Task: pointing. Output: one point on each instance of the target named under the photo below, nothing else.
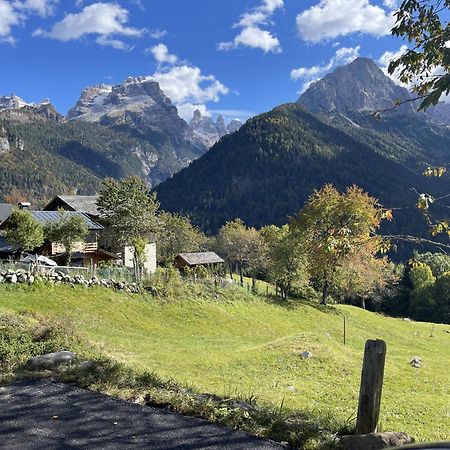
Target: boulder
(306, 354)
(51, 359)
(375, 441)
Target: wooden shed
(204, 259)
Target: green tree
(242, 247)
(422, 296)
(177, 235)
(23, 230)
(425, 25)
(439, 262)
(335, 228)
(130, 211)
(286, 262)
(442, 298)
(67, 230)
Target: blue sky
(238, 57)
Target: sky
(231, 57)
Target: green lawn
(233, 343)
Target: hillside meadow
(231, 343)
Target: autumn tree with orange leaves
(338, 234)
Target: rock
(31, 279)
(416, 362)
(86, 365)
(375, 441)
(13, 278)
(22, 278)
(306, 354)
(51, 359)
(291, 388)
(241, 404)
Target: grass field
(233, 343)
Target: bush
(22, 337)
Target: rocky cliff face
(363, 87)
(12, 102)
(358, 86)
(137, 103)
(15, 106)
(208, 132)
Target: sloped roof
(81, 203)
(47, 217)
(194, 259)
(5, 211)
(6, 247)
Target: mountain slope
(42, 157)
(265, 171)
(360, 85)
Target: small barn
(199, 259)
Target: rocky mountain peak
(209, 132)
(358, 86)
(137, 103)
(14, 105)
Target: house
(82, 203)
(203, 259)
(86, 252)
(87, 204)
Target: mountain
(358, 86)
(208, 132)
(363, 86)
(43, 154)
(140, 108)
(138, 103)
(128, 129)
(264, 172)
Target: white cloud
(8, 18)
(157, 34)
(389, 56)
(343, 55)
(104, 19)
(391, 4)
(186, 85)
(161, 53)
(110, 42)
(252, 35)
(42, 7)
(332, 18)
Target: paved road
(42, 414)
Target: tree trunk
(241, 275)
(326, 287)
(363, 303)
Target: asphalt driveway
(41, 414)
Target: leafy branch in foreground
(427, 63)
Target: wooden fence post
(371, 387)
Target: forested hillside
(265, 172)
(42, 157)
